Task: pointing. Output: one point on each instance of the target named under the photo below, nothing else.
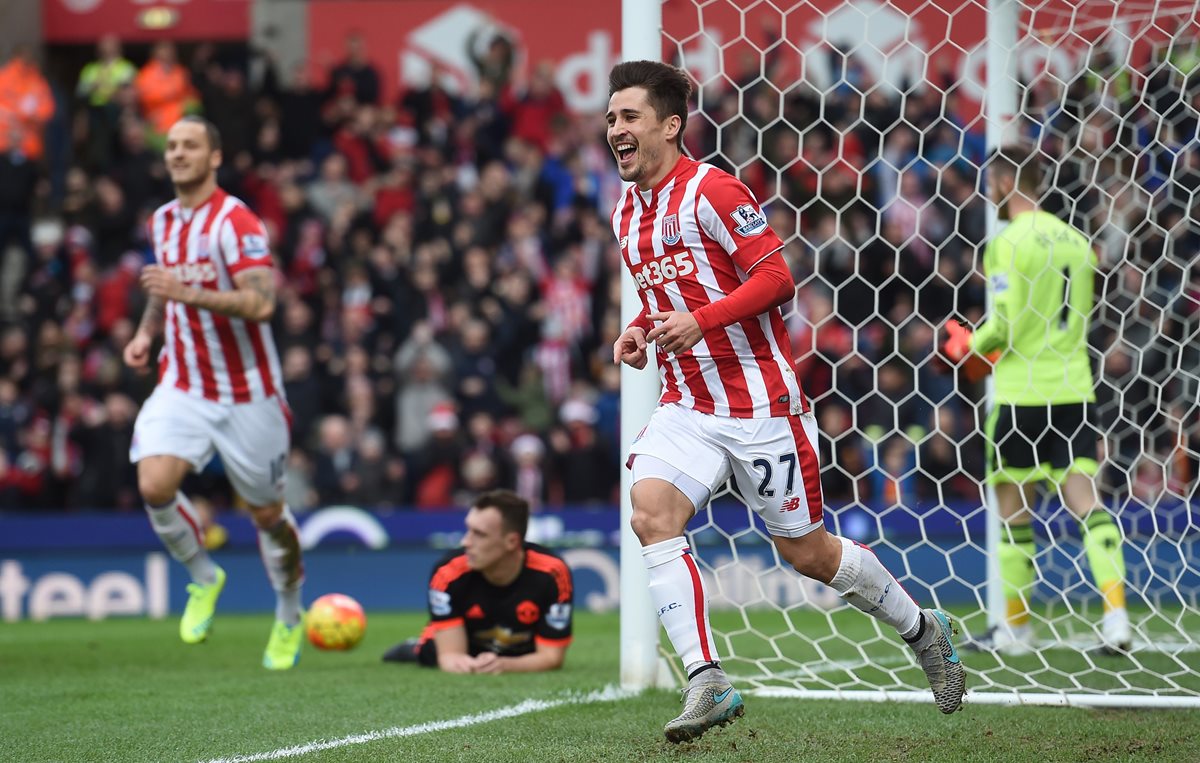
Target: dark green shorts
(1040, 442)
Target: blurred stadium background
(437, 187)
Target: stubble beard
(190, 184)
(633, 173)
(641, 169)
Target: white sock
(178, 527)
(865, 583)
(287, 606)
(1116, 624)
(677, 590)
(279, 547)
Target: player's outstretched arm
(251, 299)
(137, 352)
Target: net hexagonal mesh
(861, 127)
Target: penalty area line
(607, 694)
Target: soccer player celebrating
(711, 278)
(211, 296)
(1040, 273)
(498, 605)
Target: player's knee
(809, 562)
(645, 526)
(266, 517)
(157, 487)
(660, 511)
(815, 555)
(653, 526)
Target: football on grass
(336, 621)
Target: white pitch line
(607, 694)
(824, 666)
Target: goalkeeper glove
(977, 367)
(957, 349)
(958, 342)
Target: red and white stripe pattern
(678, 592)
(700, 604)
(189, 514)
(687, 247)
(804, 434)
(222, 359)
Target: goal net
(861, 127)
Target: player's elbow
(785, 292)
(784, 289)
(774, 270)
(553, 658)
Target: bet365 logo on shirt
(194, 272)
(664, 269)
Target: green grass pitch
(128, 690)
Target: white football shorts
(773, 461)
(252, 438)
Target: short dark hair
(667, 88)
(210, 130)
(1022, 163)
(514, 510)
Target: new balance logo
(791, 504)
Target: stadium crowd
(450, 285)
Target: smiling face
(644, 145)
(190, 158)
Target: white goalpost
(823, 108)
(641, 39)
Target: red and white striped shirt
(226, 360)
(689, 242)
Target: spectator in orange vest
(25, 106)
(164, 90)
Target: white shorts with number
(773, 461)
(252, 438)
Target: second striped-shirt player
(211, 296)
(711, 277)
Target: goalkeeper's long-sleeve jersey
(1040, 275)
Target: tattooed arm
(153, 318)
(252, 299)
